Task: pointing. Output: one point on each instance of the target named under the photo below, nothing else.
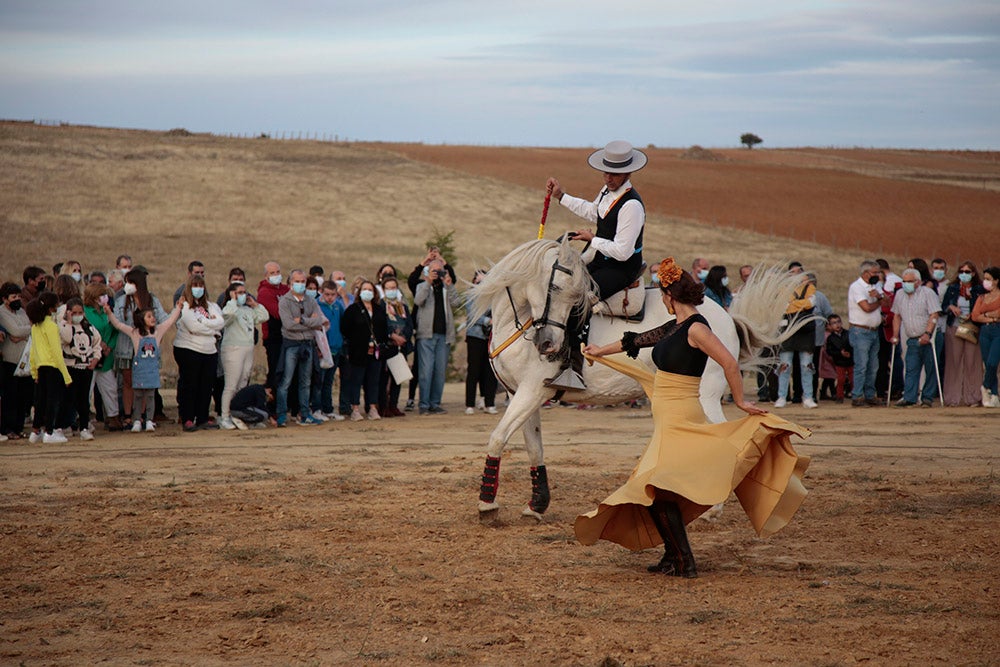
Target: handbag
(399, 368)
(968, 330)
(23, 368)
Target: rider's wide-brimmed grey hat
(618, 157)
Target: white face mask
(392, 294)
(367, 295)
(130, 289)
(938, 274)
(77, 319)
(725, 281)
(319, 280)
(274, 280)
(702, 274)
(988, 285)
(77, 276)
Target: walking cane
(937, 369)
(892, 363)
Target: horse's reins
(542, 321)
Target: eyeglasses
(965, 272)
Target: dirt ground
(360, 544)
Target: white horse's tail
(758, 310)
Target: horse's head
(567, 287)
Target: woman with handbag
(365, 329)
(962, 359)
(400, 328)
(986, 313)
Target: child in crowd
(146, 336)
(47, 368)
(253, 404)
(82, 350)
(838, 347)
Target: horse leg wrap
(491, 480)
(539, 489)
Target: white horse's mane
(526, 264)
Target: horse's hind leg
(539, 502)
(523, 405)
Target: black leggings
(195, 380)
(77, 399)
(50, 392)
(16, 395)
(479, 373)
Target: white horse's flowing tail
(758, 310)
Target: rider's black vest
(608, 225)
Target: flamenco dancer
(691, 464)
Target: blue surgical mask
(77, 276)
(274, 280)
(427, 270)
(938, 274)
(367, 295)
(725, 281)
(312, 293)
(655, 279)
(197, 292)
(299, 288)
(965, 277)
(392, 294)
(341, 283)
(241, 299)
(702, 275)
(909, 288)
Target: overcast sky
(904, 73)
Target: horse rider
(620, 217)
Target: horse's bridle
(541, 322)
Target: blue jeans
(321, 393)
(433, 360)
(919, 357)
(806, 366)
(295, 354)
(989, 345)
(865, 344)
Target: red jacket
(267, 296)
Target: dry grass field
(359, 543)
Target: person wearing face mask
(802, 344)
(66, 288)
(416, 277)
(332, 303)
(700, 269)
(717, 286)
(864, 312)
(384, 271)
(95, 297)
(960, 380)
(200, 324)
(434, 302)
(270, 289)
(195, 268)
(81, 344)
(986, 313)
(400, 328)
(364, 327)
(48, 369)
(654, 275)
(34, 283)
(346, 298)
(135, 297)
(689, 463)
(241, 315)
(236, 275)
(15, 391)
(917, 309)
(300, 317)
(73, 269)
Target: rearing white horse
(531, 292)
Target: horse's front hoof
(530, 513)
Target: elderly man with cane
(917, 309)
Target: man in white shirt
(864, 306)
(917, 309)
(620, 218)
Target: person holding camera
(864, 312)
(434, 300)
(479, 372)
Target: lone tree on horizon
(749, 139)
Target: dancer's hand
(751, 409)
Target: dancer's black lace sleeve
(632, 342)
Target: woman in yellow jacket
(47, 368)
(803, 342)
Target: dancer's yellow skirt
(698, 464)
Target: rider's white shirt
(631, 218)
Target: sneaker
(875, 402)
(35, 437)
(308, 420)
(927, 403)
(210, 425)
(490, 410)
(54, 438)
(781, 402)
(238, 423)
(137, 426)
(356, 416)
(85, 434)
(3, 437)
(188, 426)
(471, 411)
(319, 416)
(227, 423)
(424, 411)
(282, 420)
(150, 426)
(258, 425)
(334, 416)
(809, 403)
(409, 405)
(373, 413)
(438, 411)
